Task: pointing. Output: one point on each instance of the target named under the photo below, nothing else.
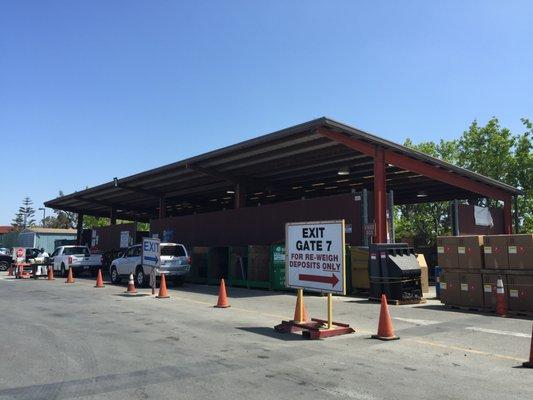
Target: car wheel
(114, 276)
(63, 272)
(3, 266)
(140, 278)
(178, 281)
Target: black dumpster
(394, 271)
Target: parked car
(5, 261)
(175, 264)
(5, 251)
(78, 258)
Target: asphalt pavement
(61, 341)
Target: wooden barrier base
(314, 329)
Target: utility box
(277, 266)
(258, 266)
(394, 271)
(495, 250)
(217, 265)
(520, 250)
(238, 266)
(447, 252)
(199, 265)
(470, 252)
(359, 267)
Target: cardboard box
(470, 252)
(495, 251)
(424, 273)
(471, 291)
(450, 288)
(447, 252)
(520, 250)
(520, 293)
(489, 289)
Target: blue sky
(90, 90)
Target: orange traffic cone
(50, 275)
(501, 306)
(131, 286)
(300, 312)
(385, 329)
(222, 297)
(70, 276)
(99, 280)
(529, 364)
(163, 294)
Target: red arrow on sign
(320, 278)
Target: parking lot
(66, 341)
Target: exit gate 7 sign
(151, 252)
(315, 256)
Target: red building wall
(261, 225)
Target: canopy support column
(380, 197)
(79, 228)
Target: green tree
(91, 222)
(24, 217)
(490, 150)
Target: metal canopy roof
(285, 165)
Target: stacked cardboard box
(472, 265)
(511, 256)
(461, 260)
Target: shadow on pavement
(270, 332)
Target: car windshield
(172, 251)
(69, 251)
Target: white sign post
(316, 259)
(151, 257)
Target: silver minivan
(175, 264)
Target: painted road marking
(497, 332)
(464, 349)
(417, 321)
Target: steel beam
(420, 167)
(79, 228)
(380, 196)
(507, 215)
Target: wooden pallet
(520, 313)
(469, 308)
(485, 310)
(400, 302)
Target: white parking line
(417, 321)
(497, 332)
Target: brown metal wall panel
(467, 223)
(261, 225)
(109, 236)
